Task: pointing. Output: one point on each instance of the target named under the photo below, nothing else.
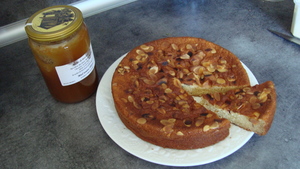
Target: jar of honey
(60, 43)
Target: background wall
(15, 10)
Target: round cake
(154, 84)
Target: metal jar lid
(54, 23)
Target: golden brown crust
(149, 98)
(196, 138)
(256, 103)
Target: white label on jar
(78, 70)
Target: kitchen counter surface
(36, 131)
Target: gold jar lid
(53, 23)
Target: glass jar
(60, 43)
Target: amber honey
(60, 43)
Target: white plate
(131, 143)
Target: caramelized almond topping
(179, 133)
(206, 128)
(214, 125)
(221, 81)
(141, 121)
(199, 122)
(185, 56)
(256, 115)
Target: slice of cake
(251, 108)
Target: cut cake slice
(252, 108)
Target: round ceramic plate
(131, 143)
